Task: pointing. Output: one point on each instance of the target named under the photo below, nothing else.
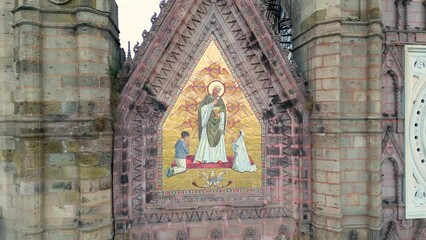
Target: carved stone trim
(391, 62)
(181, 235)
(153, 82)
(59, 1)
(216, 234)
(421, 230)
(392, 233)
(399, 11)
(211, 215)
(391, 152)
(353, 235)
(146, 236)
(282, 233)
(250, 234)
(407, 11)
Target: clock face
(59, 1)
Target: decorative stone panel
(156, 76)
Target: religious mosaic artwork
(415, 127)
(211, 135)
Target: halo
(216, 83)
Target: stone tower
(338, 47)
(56, 59)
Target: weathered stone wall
(55, 118)
(56, 137)
(7, 144)
(338, 48)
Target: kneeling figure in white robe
(241, 159)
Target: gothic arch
(392, 153)
(392, 89)
(390, 95)
(390, 181)
(391, 62)
(161, 65)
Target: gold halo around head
(214, 84)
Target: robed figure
(211, 127)
(241, 158)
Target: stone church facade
(80, 128)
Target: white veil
(242, 160)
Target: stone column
(424, 4)
(7, 140)
(61, 127)
(399, 12)
(97, 54)
(373, 125)
(407, 12)
(344, 79)
(28, 126)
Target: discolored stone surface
(56, 143)
(53, 80)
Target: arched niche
(162, 70)
(390, 95)
(392, 82)
(392, 167)
(389, 181)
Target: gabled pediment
(391, 150)
(271, 96)
(169, 50)
(392, 65)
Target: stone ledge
(341, 32)
(69, 11)
(71, 26)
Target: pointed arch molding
(163, 63)
(392, 152)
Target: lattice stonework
(163, 68)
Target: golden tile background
(183, 116)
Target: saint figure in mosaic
(211, 126)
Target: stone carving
(421, 230)
(216, 234)
(148, 95)
(402, 9)
(407, 223)
(250, 234)
(392, 66)
(399, 13)
(153, 18)
(211, 215)
(353, 235)
(162, 3)
(424, 4)
(59, 1)
(407, 4)
(282, 233)
(146, 236)
(392, 152)
(392, 233)
(181, 235)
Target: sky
(134, 17)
